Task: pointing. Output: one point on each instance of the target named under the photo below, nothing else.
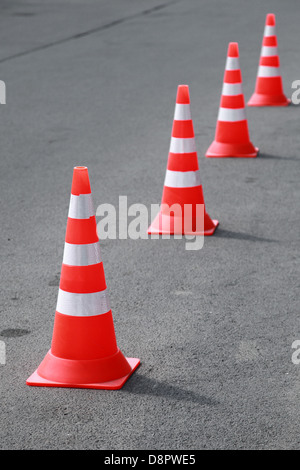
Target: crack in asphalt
(89, 31)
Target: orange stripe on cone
(81, 231)
(82, 279)
(182, 192)
(183, 161)
(84, 351)
(232, 134)
(268, 88)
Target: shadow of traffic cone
(268, 88)
(84, 351)
(182, 186)
(232, 134)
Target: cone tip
(233, 49)
(80, 168)
(270, 19)
(183, 94)
(81, 181)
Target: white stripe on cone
(182, 112)
(82, 255)
(82, 305)
(268, 51)
(270, 31)
(232, 89)
(267, 71)
(231, 114)
(182, 179)
(232, 63)
(178, 145)
(81, 207)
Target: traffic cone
(182, 186)
(84, 351)
(232, 134)
(269, 89)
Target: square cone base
(246, 155)
(231, 150)
(36, 380)
(258, 101)
(156, 228)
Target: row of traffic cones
(182, 184)
(84, 351)
(232, 134)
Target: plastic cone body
(232, 134)
(84, 351)
(268, 89)
(182, 186)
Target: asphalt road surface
(94, 83)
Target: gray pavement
(94, 83)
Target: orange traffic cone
(268, 89)
(232, 134)
(182, 185)
(84, 351)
